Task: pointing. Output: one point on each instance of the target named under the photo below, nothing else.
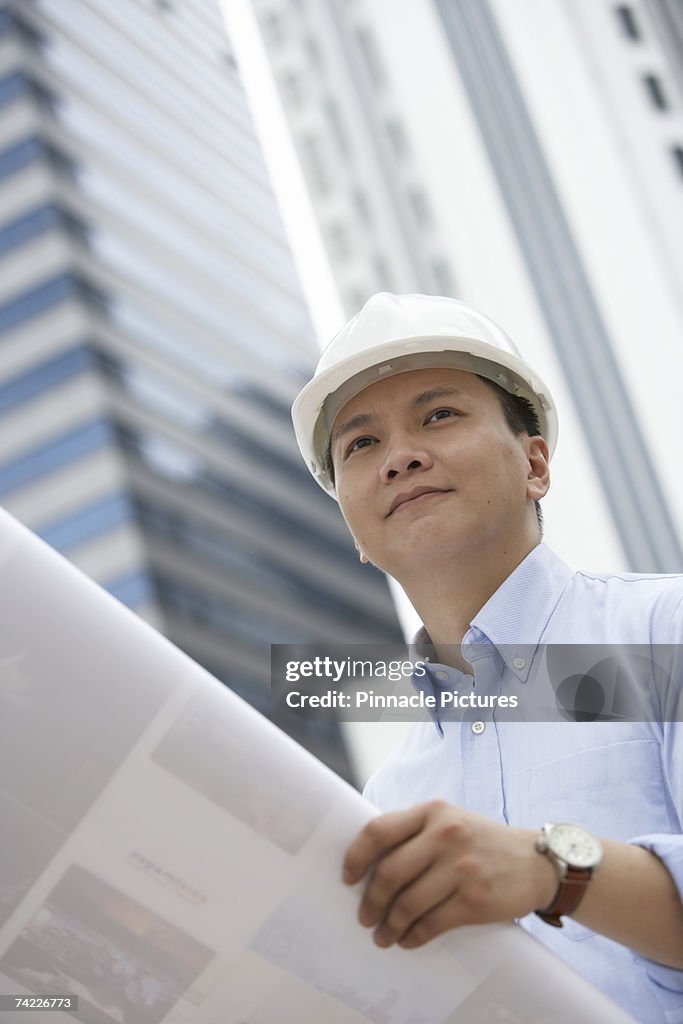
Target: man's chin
(425, 545)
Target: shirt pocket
(616, 790)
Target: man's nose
(404, 458)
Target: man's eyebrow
(425, 397)
(362, 419)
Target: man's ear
(538, 479)
(361, 554)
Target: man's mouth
(410, 496)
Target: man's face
(442, 432)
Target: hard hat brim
(321, 400)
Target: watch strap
(569, 894)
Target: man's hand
(435, 867)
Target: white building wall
(610, 155)
(608, 152)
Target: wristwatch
(576, 855)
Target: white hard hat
(395, 333)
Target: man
(435, 437)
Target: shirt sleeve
(667, 981)
(370, 792)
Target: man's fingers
(438, 884)
(449, 914)
(391, 873)
(378, 836)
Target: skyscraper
(153, 334)
(526, 157)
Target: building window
(655, 92)
(28, 227)
(382, 273)
(355, 300)
(12, 87)
(44, 97)
(291, 88)
(314, 165)
(338, 128)
(169, 461)
(273, 28)
(313, 52)
(361, 206)
(220, 549)
(677, 152)
(19, 155)
(58, 452)
(249, 389)
(398, 138)
(627, 22)
(133, 589)
(420, 207)
(88, 522)
(443, 276)
(60, 162)
(338, 242)
(52, 373)
(368, 51)
(35, 301)
(28, 33)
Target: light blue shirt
(620, 780)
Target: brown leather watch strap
(568, 896)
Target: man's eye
(360, 442)
(440, 414)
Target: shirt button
(519, 663)
(478, 728)
(441, 675)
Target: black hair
(521, 418)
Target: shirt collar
(515, 616)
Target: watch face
(575, 846)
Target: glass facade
(153, 335)
(60, 451)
